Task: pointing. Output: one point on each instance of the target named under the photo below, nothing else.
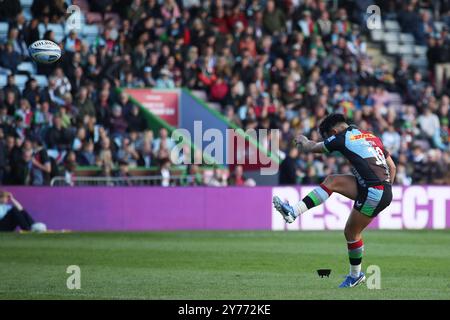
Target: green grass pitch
(221, 265)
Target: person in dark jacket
(135, 120)
(3, 160)
(288, 168)
(9, 58)
(57, 136)
(9, 9)
(21, 170)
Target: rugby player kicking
(369, 185)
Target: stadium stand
(277, 64)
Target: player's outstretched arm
(307, 145)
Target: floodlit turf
(220, 265)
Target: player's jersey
(365, 152)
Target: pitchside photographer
(13, 215)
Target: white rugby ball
(45, 51)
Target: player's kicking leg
(355, 225)
(370, 201)
(357, 222)
(344, 184)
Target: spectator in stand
(117, 123)
(429, 124)
(9, 59)
(165, 81)
(72, 43)
(419, 161)
(13, 215)
(135, 120)
(41, 165)
(86, 155)
(238, 178)
(219, 178)
(58, 137)
(219, 91)
(18, 43)
(441, 60)
(288, 168)
(416, 87)
(84, 104)
(163, 142)
(273, 18)
(124, 174)
(391, 141)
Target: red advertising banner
(240, 151)
(162, 103)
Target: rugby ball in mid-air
(45, 51)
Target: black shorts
(372, 200)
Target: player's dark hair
(329, 122)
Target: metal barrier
(122, 181)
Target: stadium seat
(407, 38)
(406, 49)
(26, 4)
(439, 25)
(391, 37)
(27, 14)
(3, 80)
(391, 25)
(377, 35)
(21, 80)
(420, 62)
(56, 28)
(93, 18)
(4, 71)
(420, 50)
(392, 48)
(410, 59)
(90, 32)
(3, 31)
(41, 80)
(27, 67)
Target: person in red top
(266, 108)
(220, 21)
(237, 178)
(219, 90)
(248, 43)
(236, 16)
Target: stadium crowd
(269, 64)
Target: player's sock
(316, 197)
(355, 253)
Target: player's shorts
(372, 200)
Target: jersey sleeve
(334, 143)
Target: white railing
(120, 181)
